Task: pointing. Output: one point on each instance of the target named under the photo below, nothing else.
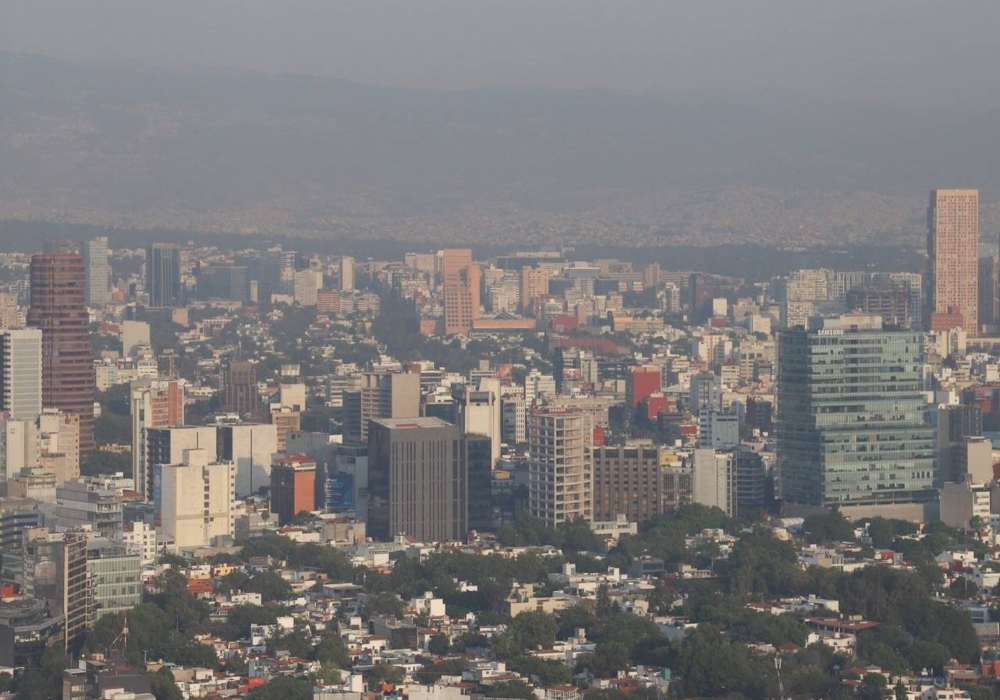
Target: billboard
(340, 492)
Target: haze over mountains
(136, 147)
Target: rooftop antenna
(122, 638)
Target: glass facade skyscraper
(852, 428)
(163, 275)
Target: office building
(250, 446)
(478, 466)
(534, 286)
(224, 282)
(953, 260)
(59, 309)
(16, 516)
(560, 465)
(115, 579)
(514, 420)
(135, 336)
(416, 481)
(54, 568)
(989, 292)
(706, 393)
(851, 427)
(86, 504)
(95, 261)
(194, 500)
(21, 373)
(59, 444)
(27, 627)
(18, 447)
(480, 412)
(635, 481)
(389, 395)
(641, 383)
(717, 430)
(345, 480)
(890, 301)
(751, 481)
(163, 275)
(461, 300)
(293, 487)
(155, 403)
(239, 389)
(713, 479)
(139, 539)
(169, 445)
(346, 274)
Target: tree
(163, 685)
(270, 585)
(510, 689)
(333, 650)
(535, 629)
(386, 673)
(329, 673)
(874, 686)
(607, 660)
(283, 688)
(387, 604)
(439, 644)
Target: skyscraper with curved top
(59, 308)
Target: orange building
(953, 258)
(293, 487)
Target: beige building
(953, 260)
(534, 284)
(194, 500)
(560, 465)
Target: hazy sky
(912, 52)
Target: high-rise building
(59, 444)
(751, 481)
(169, 445)
(851, 424)
(21, 373)
(989, 291)
(156, 403)
(115, 579)
(228, 282)
(461, 300)
(83, 504)
(239, 389)
(250, 446)
(718, 430)
(706, 393)
(380, 395)
(890, 301)
(163, 275)
(480, 412)
(18, 447)
(478, 466)
(194, 500)
(640, 383)
(534, 285)
(633, 481)
(59, 309)
(560, 465)
(701, 291)
(54, 567)
(293, 487)
(346, 274)
(417, 482)
(713, 479)
(95, 261)
(953, 260)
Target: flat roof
(405, 423)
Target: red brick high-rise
(59, 309)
